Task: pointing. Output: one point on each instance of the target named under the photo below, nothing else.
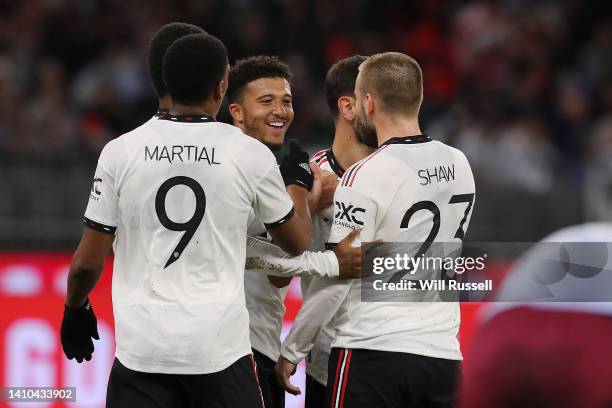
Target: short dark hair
(396, 80)
(340, 81)
(193, 66)
(163, 38)
(249, 69)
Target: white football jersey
(266, 305)
(411, 189)
(177, 192)
(314, 328)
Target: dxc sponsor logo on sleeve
(349, 213)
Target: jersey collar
(333, 163)
(187, 118)
(162, 112)
(414, 139)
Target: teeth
(276, 124)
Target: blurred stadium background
(523, 87)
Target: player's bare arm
(86, 266)
(79, 324)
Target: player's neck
(346, 146)
(205, 109)
(165, 103)
(388, 127)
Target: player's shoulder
(369, 171)
(134, 136)
(251, 147)
(453, 150)
(248, 151)
(457, 156)
(137, 133)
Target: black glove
(78, 327)
(295, 167)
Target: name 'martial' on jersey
(177, 193)
(181, 153)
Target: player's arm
(283, 210)
(343, 262)
(356, 211)
(79, 324)
(87, 265)
(294, 234)
(303, 182)
(315, 313)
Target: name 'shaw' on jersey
(412, 190)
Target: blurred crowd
(523, 87)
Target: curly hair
(160, 42)
(193, 66)
(249, 69)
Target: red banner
(32, 291)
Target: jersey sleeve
(272, 260)
(315, 313)
(353, 209)
(102, 213)
(272, 204)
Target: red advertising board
(32, 290)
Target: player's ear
(235, 111)
(221, 87)
(346, 107)
(370, 104)
(220, 90)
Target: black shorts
(315, 393)
(273, 393)
(372, 379)
(236, 386)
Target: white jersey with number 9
(177, 192)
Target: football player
(398, 354)
(173, 198)
(260, 103)
(310, 335)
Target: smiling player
(261, 105)
(260, 99)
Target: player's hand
(329, 182)
(294, 167)
(79, 325)
(284, 369)
(314, 195)
(349, 257)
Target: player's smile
(276, 124)
(267, 110)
